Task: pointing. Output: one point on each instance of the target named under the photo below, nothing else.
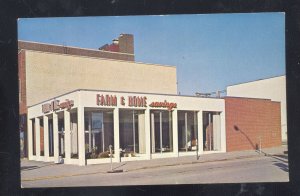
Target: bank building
(82, 106)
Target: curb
(263, 154)
(193, 162)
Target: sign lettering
(55, 105)
(107, 100)
(165, 104)
(132, 101)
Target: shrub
(94, 156)
(103, 155)
(132, 154)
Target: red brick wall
(247, 119)
(22, 82)
(126, 43)
(22, 99)
(74, 51)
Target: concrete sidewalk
(34, 170)
(136, 165)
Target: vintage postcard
(147, 100)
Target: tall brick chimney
(124, 44)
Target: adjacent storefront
(88, 127)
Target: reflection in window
(99, 133)
(132, 132)
(211, 131)
(187, 130)
(161, 131)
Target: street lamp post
(259, 144)
(110, 151)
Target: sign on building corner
(55, 105)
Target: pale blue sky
(210, 51)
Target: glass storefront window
(211, 131)
(187, 131)
(161, 131)
(41, 136)
(132, 132)
(50, 132)
(33, 137)
(99, 132)
(61, 134)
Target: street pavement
(233, 167)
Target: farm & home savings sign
(132, 101)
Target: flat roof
(245, 97)
(69, 92)
(65, 46)
(256, 80)
(63, 49)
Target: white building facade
(89, 127)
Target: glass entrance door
(61, 134)
(74, 133)
(50, 132)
